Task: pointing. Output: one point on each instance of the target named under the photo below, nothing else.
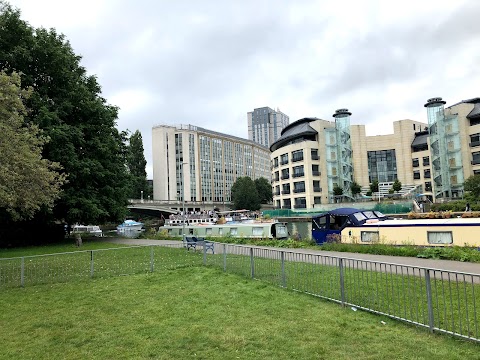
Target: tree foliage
(66, 104)
(355, 188)
(337, 190)
(397, 186)
(472, 185)
(245, 195)
(27, 181)
(264, 190)
(374, 186)
(136, 164)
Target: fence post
(428, 286)
(151, 259)
(204, 254)
(22, 272)
(342, 281)
(224, 257)
(252, 264)
(91, 263)
(284, 279)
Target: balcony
(286, 207)
(301, 190)
(276, 193)
(475, 161)
(300, 206)
(316, 173)
(284, 162)
(317, 189)
(315, 157)
(285, 192)
(285, 177)
(296, 175)
(474, 143)
(297, 158)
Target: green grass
(201, 313)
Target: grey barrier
(439, 300)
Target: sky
(207, 63)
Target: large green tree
(67, 105)
(27, 181)
(355, 188)
(264, 189)
(472, 185)
(245, 195)
(136, 164)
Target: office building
(314, 156)
(202, 164)
(265, 125)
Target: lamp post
(183, 202)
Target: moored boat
(130, 226)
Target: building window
(426, 161)
(317, 200)
(275, 162)
(474, 140)
(298, 171)
(315, 170)
(416, 175)
(285, 189)
(287, 204)
(415, 162)
(440, 237)
(285, 174)
(284, 159)
(314, 153)
(299, 187)
(428, 186)
(316, 186)
(476, 158)
(277, 190)
(369, 236)
(382, 165)
(476, 172)
(300, 203)
(277, 177)
(297, 155)
(426, 173)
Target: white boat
(130, 226)
(89, 229)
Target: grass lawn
(201, 313)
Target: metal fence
(440, 300)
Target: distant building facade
(202, 164)
(265, 125)
(314, 156)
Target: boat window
(359, 216)
(220, 231)
(319, 223)
(379, 214)
(208, 231)
(233, 231)
(439, 237)
(369, 236)
(257, 231)
(190, 231)
(370, 214)
(169, 231)
(282, 231)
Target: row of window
(426, 174)
(433, 237)
(296, 155)
(426, 161)
(298, 187)
(297, 171)
(298, 203)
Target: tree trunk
(78, 240)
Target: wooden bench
(191, 242)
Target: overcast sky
(209, 62)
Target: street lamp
(183, 202)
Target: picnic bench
(191, 242)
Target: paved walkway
(467, 267)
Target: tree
(66, 104)
(264, 190)
(27, 181)
(472, 185)
(355, 188)
(245, 195)
(397, 186)
(136, 164)
(337, 190)
(374, 186)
